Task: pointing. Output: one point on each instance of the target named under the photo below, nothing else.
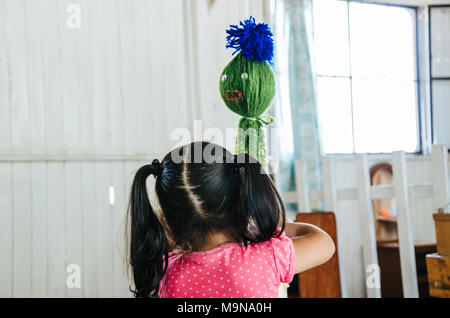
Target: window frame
(430, 65)
(417, 81)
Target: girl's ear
(148, 246)
(261, 207)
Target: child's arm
(312, 246)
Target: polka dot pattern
(230, 271)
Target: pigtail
(260, 206)
(148, 245)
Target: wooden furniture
(442, 226)
(390, 271)
(438, 264)
(385, 225)
(322, 281)
(353, 184)
(438, 275)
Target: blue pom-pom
(254, 40)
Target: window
(366, 66)
(440, 72)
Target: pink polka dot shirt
(230, 271)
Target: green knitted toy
(247, 84)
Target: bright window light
(366, 77)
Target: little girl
(221, 230)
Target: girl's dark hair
(202, 189)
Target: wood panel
(404, 226)
(6, 230)
(18, 77)
(69, 80)
(116, 105)
(90, 228)
(56, 230)
(39, 238)
(322, 281)
(52, 79)
(105, 240)
(73, 220)
(120, 281)
(35, 72)
(77, 107)
(5, 108)
(21, 204)
(367, 221)
(438, 268)
(86, 90)
(114, 84)
(331, 204)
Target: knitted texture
(247, 87)
(247, 84)
(253, 39)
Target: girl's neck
(215, 240)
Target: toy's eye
(224, 77)
(244, 76)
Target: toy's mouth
(233, 95)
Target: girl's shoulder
(278, 240)
(274, 244)
(281, 241)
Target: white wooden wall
(81, 110)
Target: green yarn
(255, 82)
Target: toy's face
(247, 87)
